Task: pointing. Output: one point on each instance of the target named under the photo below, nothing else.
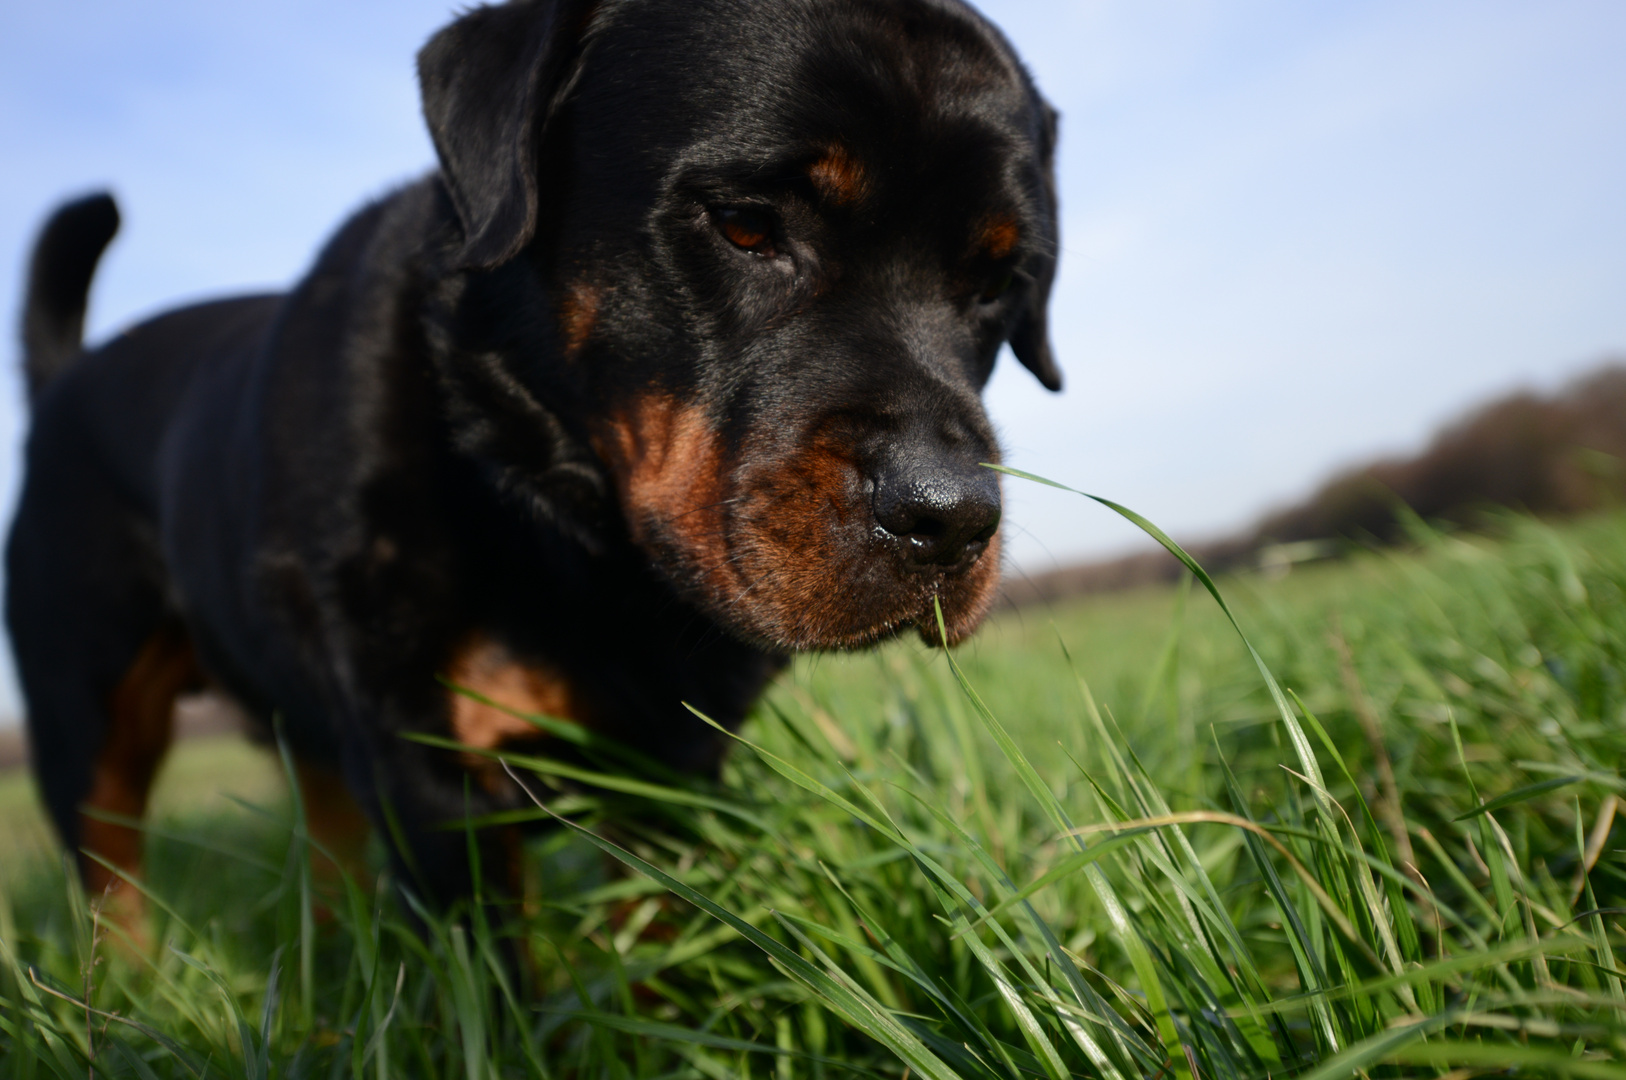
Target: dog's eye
(747, 229)
(997, 286)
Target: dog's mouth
(805, 549)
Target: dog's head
(780, 243)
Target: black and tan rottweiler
(672, 368)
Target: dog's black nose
(942, 514)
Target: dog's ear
(489, 82)
(1030, 333)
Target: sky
(1294, 235)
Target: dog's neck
(506, 410)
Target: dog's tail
(65, 258)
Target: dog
(671, 368)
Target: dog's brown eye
(748, 230)
(997, 286)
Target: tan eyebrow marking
(999, 236)
(839, 176)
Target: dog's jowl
(671, 368)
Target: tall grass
(1374, 837)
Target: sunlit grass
(1095, 844)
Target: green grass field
(1112, 852)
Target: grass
(1095, 843)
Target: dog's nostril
(926, 527)
(943, 515)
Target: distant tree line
(1554, 455)
(1561, 454)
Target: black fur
(58, 283)
(452, 426)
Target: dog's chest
(495, 691)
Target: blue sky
(1295, 234)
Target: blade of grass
(1519, 795)
(842, 995)
(1123, 928)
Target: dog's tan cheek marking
(838, 176)
(797, 548)
(811, 489)
(141, 711)
(797, 531)
(578, 316)
(668, 462)
(999, 236)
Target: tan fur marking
(802, 542)
(141, 711)
(780, 540)
(578, 316)
(999, 236)
(489, 670)
(667, 460)
(839, 176)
